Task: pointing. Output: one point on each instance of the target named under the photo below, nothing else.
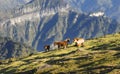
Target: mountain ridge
(49, 21)
(109, 7)
(11, 49)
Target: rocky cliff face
(40, 22)
(12, 49)
(110, 7)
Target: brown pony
(78, 42)
(63, 44)
(47, 47)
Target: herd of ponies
(64, 44)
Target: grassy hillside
(99, 56)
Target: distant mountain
(110, 7)
(40, 22)
(26, 22)
(10, 4)
(12, 49)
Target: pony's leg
(78, 45)
(45, 50)
(58, 46)
(65, 47)
(82, 45)
(48, 49)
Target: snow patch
(97, 14)
(76, 17)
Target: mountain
(98, 56)
(12, 49)
(111, 8)
(23, 23)
(10, 4)
(40, 22)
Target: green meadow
(98, 56)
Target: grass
(99, 56)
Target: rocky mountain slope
(12, 49)
(99, 55)
(40, 22)
(111, 8)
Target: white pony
(79, 41)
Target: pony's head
(75, 39)
(68, 40)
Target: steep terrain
(111, 8)
(12, 49)
(98, 56)
(40, 22)
(27, 21)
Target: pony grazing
(79, 42)
(47, 48)
(61, 44)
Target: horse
(47, 47)
(79, 42)
(63, 44)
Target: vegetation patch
(98, 56)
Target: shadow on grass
(14, 69)
(101, 52)
(102, 69)
(106, 47)
(59, 55)
(42, 71)
(49, 72)
(93, 63)
(59, 61)
(7, 71)
(63, 60)
(117, 55)
(94, 66)
(28, 72)
(94, 70)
